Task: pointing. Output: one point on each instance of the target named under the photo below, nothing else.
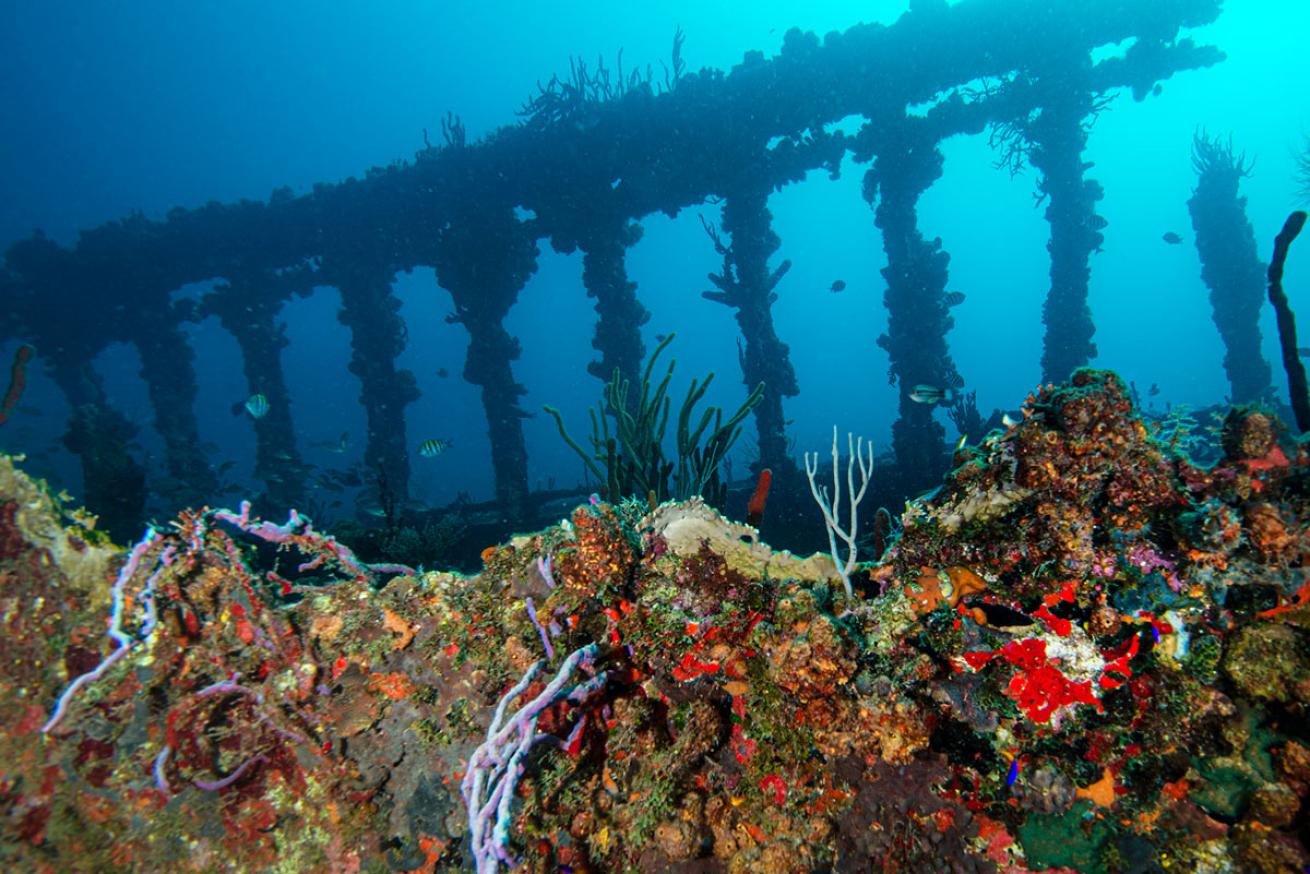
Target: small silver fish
(257, 406)
(931, 394)
(432, 448)
(340, 446)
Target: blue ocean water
(115, 108)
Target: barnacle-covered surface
(1084, 653)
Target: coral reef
(1083, 653)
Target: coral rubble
(1084, 652)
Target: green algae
(1073, 839)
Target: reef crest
(1084, 652)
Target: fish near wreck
(257, 406)
(932, 395)
(1077, 597)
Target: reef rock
(1087, 654)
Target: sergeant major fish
(433, 447)
(257, 406)
(933, 395)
